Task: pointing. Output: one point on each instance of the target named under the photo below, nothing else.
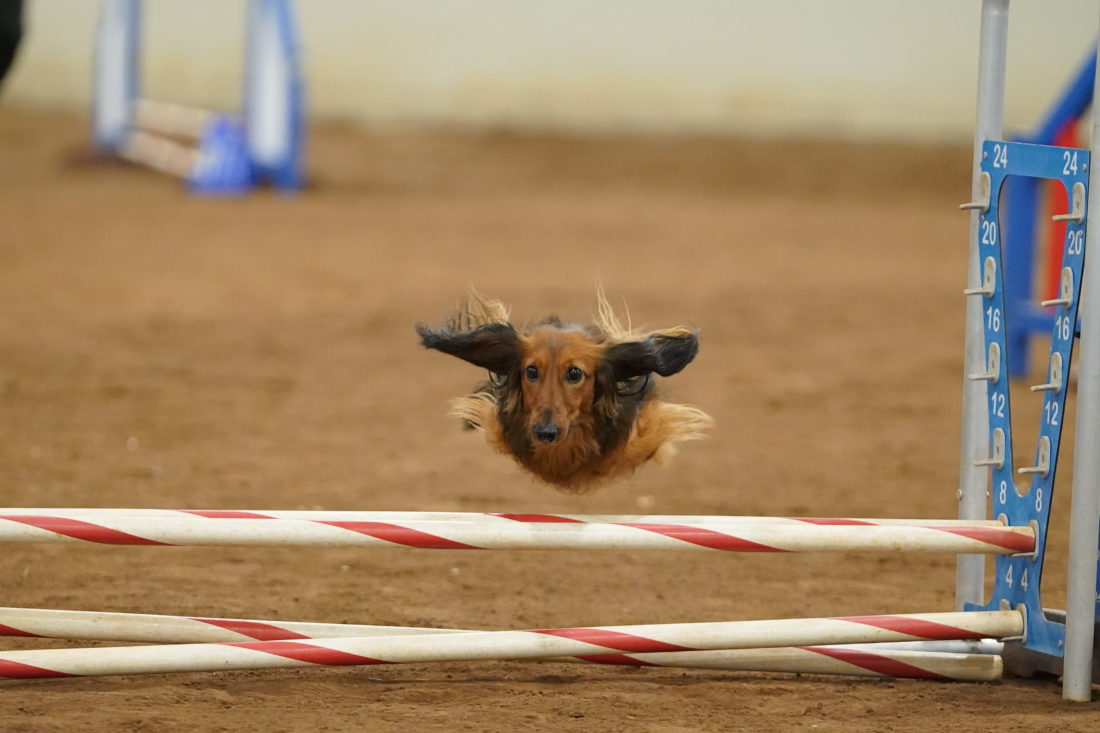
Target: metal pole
(970, 577)
(1085, 507)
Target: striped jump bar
(513, 532)
(972, 660)
(606, 644)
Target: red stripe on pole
(914, 627)
(403, 535)
(616, 659)
(876, 663)
(834, 521)
(1057, 203)
(253, 629)
(306, 652)
(6, 630)
(20, 671)
(225, 514)
(704, 537)
(538, 518)
(994, 536)
(82, 530)
(615, 640)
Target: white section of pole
(159, 153)
(1085, 506)
(167, 118)
(973, 480)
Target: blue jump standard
(1018, 578)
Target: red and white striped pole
(945, 660)
(595, 642)
(323, 515)
(515, 535)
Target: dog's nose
(547, 432)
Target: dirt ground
(158, 350)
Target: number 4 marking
(1009, 579)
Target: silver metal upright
(1085, 505)
(973, 479)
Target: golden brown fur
(573, 405)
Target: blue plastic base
(223, 167)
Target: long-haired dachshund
(573, 404)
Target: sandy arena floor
(162, 351)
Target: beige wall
(842, 67)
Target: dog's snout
(547, 432)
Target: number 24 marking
(1070, 158)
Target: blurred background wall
(884, 69)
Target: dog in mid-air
(573, 404)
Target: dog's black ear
(494, 346)
(664, 352)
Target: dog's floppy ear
(664, 352)
(494, 346)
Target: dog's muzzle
(547, 432)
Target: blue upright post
(1021, 196)
(273, 94)
(116, 74)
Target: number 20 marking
(1075, 242)
(989, 232)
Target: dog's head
(555, 377)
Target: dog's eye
(532, 373)
(573, 375)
